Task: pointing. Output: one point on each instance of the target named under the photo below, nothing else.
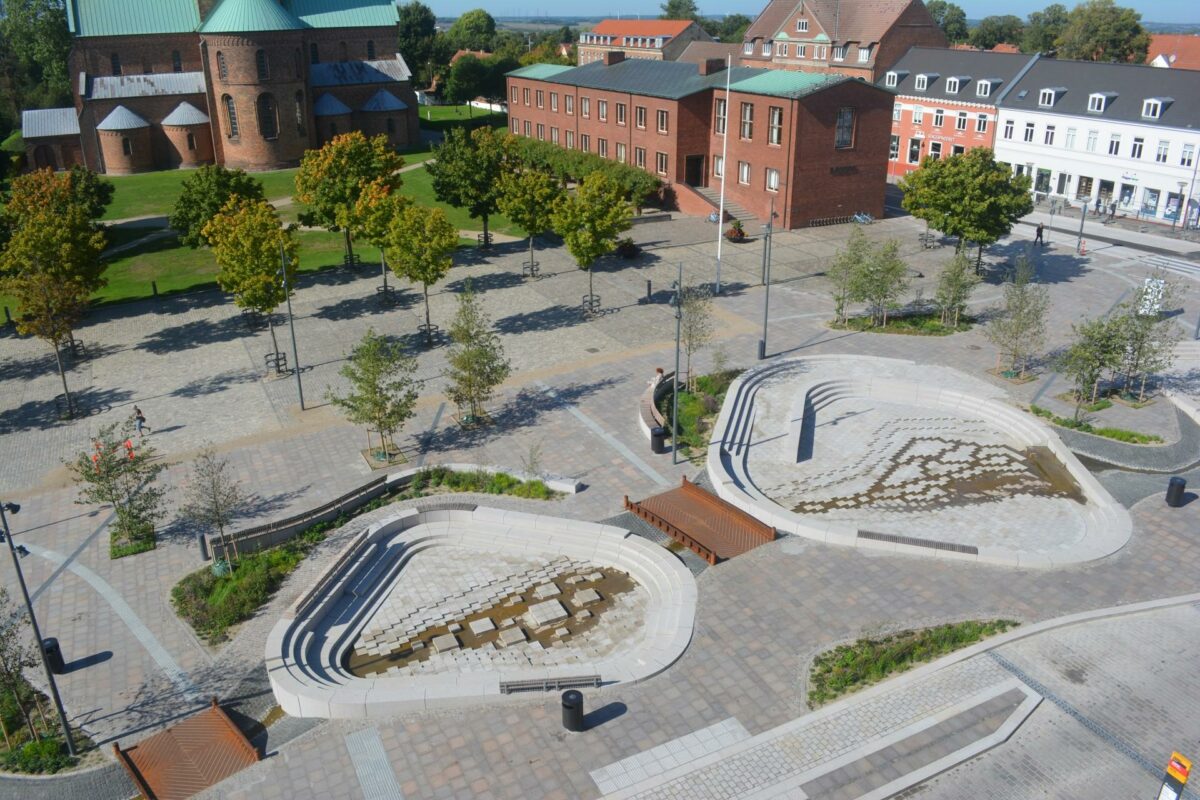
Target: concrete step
(734, 210)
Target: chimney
(613, 57)
(711, 66)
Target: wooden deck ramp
(702, 522)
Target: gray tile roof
(669, 79)
(383, 100)
(350, 73)
(122, 119)
(1130, 84)
(974, 64)
(329, 106)
(154, 85)
(698, 52)
(49, 122)
(185, 114)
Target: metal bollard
(572, 710)
(649, 292)
(1175, 489)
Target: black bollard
(202, 540)
(572, 710)
(658, 440)
(1175, 488)
(649, 292)
(54, 656)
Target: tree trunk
(486, 240)
(271, 327)
(37, 702)
(349, 247)
(4, 730)
(428, 328)
(383, 268)
(1142, 391)
(28, 717)
(1095, 389)
(979, 260)
(531, 252)
(591, 293)
(62, 373)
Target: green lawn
(443, 118)
(154, 193)
(419, 186)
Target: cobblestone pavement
(193, 367)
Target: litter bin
(572, 710)
(658, 440)
(1175, 488)
(54, 656)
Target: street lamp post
(1178, 208)
(291, 323)
(678, 303)
(766, 277)
(13, 508)
(1082, 217)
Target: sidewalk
(1095, 231)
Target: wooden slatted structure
(712, 528)
(189, 757)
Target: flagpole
(724, 171)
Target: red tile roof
(1005, 47)
(864, 21)
(480, 54)
(641, 27)
(1179, 50)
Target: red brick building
(244, 83)
(859, 38)
(816, 145)
(946, 102)
(655, 39)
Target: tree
(954, 288)
(680, 9)
(474, 30)
(375, 209)
(467, 80)
(993, 30)
(1100, 30)
(476, 365)
(950, 18)
(331, 179)
(1042, 29)
(969, 196)
(214, 497)
(120, 472)
(880, 280)
(34, 49)
(843, 269)
(419, 247)
(590, 220)
(1019, 330)
(204, 193)
(52, 266)
(527, 198)
(1084, 362)
(382, 392)
(467, 169)
(248, 242)
(695, 325)
(416, 33)
(16, 656)
(47, 190)
(494, 88)
(1146, 336)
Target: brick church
(251, 84)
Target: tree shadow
(1052, 265)
(258, 506)
(201, 387)
(485, 283)
(367, 305)
(37, 414)
(544, 319)
(30, 368)
(197, 333)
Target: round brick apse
(126, 152)
(191, 145)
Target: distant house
(655, 39)
(1174, 51)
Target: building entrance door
(693, 170)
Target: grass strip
(698, 409)
(909, 325)
(1119, 434)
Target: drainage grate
(550, 684)
(914, 542)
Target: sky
(1177, 11)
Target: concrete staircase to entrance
(733, 210)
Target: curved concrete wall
(305, 649)
(1108, 525)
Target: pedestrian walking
(139, 422)
(1040, 238)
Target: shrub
(44, 756)
(1119, 434)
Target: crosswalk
(1179, 266)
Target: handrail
(672, 531)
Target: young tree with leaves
(16, 656)
(382, 392)
(248, 243)
(590, 220)
(695, 325)
(417, 31)
(467, 79)
(466, 171)
(204, 193)
(1100, 30)
(375, 209)
(420, 247)
(120, 471)
(1147, 337)
(880, 280)
(56, 192)
(950, 18)
(35, 45)
(214, 497)
(954, 288)
(330, 180)
(843, 269)
(1043, 28)
(680, 9)
(1095, 349)
(476, 365)
(1019, 330)
(473, 30)
(995, 30)
(527, 197)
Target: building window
(719, 125)
(300, 115)
(748, 49)
(268, 117)
(1114, 144)
(939, 116)
(554, 101)
(839, 52)
(370, 50)
(1092, 140)
(781, 49)
(570, 140)
(775, 125)
(1189, 153)
(516, 126)
(231, 129)
(918, 115)
(897, 111)
(1069, 142)
(922, 83)
(602, 110)
(514, 95)
(960, 122)
(1160, 155)
(528, 126)
(314, 55)
(843, 136)
(541, 99)
(983, 88)
(621, 117)
(525, 96)
(821, 53)
(981, 123)
(766, 48)
(935, 150)
(718, 167)
(660, 163)
(553, 135)
(747, 120)
(772, 180)
(116, 64)
(1046, 97)
(864, 54)
(1096, 103)
(176, 61)
(1150, 201)
(1136, 150)
(802, 25)
(541, 132)
(585, 107)
(744, 172)
(622, 152)
(894, 148)
(639, 117)
(639, 157)
(585, 143)
(1048, 136)
(951, 85)
(191, 141)
(569, 103)
(914, 151)
(260, 63)
(126, 146)
(1029, 131)
(602, 148)
(1008, 129)
(1151, 109)
(222, 69)
(662, 120)
(891, 80)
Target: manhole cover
(592, 349)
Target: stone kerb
(305, 650)
(1108, 524)
(648, 414)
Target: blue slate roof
(185, 114)
(384, 100)
(329, 106)
(351, 73)
(49, 122)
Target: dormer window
(748, 49)
(802, 26)
(951, 85)
(891, 79)
(983, 89)
(766, 48)
(1048, 97)
(1098, 101)
(922, 83)
(864, 54)
(1152, 107)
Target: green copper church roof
(151, 17)
(345, 13)
(131, 17)
(245, 16)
